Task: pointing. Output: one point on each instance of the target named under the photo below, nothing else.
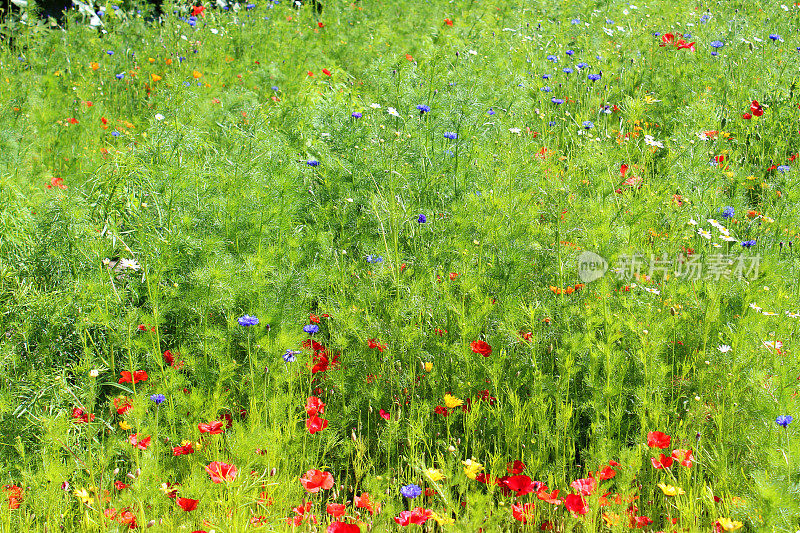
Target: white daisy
(649, 140)
(129, 263)
(392, 111)
(792, 315)
(703, 233)
(375, 106)
(755, 307)
(692, 222)
(724, 348)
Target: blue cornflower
(312, 163)
(422, 219)
(181, 59)
(110, 52)
(551, 123)
(775, 37)
(248, 320)
(289, 356)
(783, 169)
(158, 398)
(714, 53)
(705, 18)
(552, 58)
(587, 124)
(570, 52)
(490, 112)
(728, 212)
(748, 244)
(609, 21)
(557, 101)
(423, 109)
(582, 65)
(276, 88)
(450, 135)
(567, 70)
(545, 76)
(784, 420)
(311, 329)
(716, 44)
(546, 89)
(356, 114)
(410, 491)
(374, 259)
(594, 77)
(115, 133)
(250, 6)
(575, 21)
(192, 21)
(187, 84)
(120, 75)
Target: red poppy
(373, 343)
(220, 471)
(187, 504)
(119, 485)
(300, 515)
(386, 415)
(122, 405)
(667, 39)
(80, 417)
(314, 406)
(136, 377)
(56, 182)
(747, 116)
(515, 467)
(520, 484)
(639, 522)
(14, 494)
(440, 410)
(136, 442)
(320, 25)
(408, 56)
(523, 512)
(576, 504)
(551, 498)
(310, 73)
(448, 22)
(72, 120)
(684, 457)
(335, 509)
(684, 45)
(453, 275)
(584, 486)
(481, 347)
(316, 480)
(623, 169)
(182, 450)
(606, 473)
(664, 461)
(314, 319)
(198, 10)
(315, 424)
(656, 439)
(214, 427)
(342, 527)
(363, 502)
(756, 109)
(326, 72)
(417, 516)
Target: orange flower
(94, 65)
(155, 77)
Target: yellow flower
(428, 366)
(451, 401)
(83, 495)
(669, 490)
(150, 59)
(442, 520)
(155, 77)
(611, 519)
(434, 474)
(728, 524)
(472, 468)
(124, 425)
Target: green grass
(207, 187)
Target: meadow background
(161, 185)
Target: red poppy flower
(639, 522)
(408, 56)
(584, 486)
(606, 473)
(300, 515)
(363, 502)
(314, 406)
(198, 10)
(220, 471)
(551, 498)
(684, 457)
(481, 347)
(136, 377)
(122, 405)
(664, 461)
(440, 410)
(623, 169)
(136, 442)
(56, 182)
(214, 427)
(314, 319)
(515, 467)
(684, 45)
(386, 415)
(119, 485)
(315, 424)
(448, 22)
(80, 417)
(310, 73)
(187, 504)
(417, 516)
(342, 527)
(320, 25)
(453, 275)
(576, 504)
(756, 109)
(667, 39)
(747, 116)
(520, 484)
(316, 480)
(523, 512)
(72, 120)
(335, 509)
(14, 494)
(326, 72)
(182, 450)
(656, 439)
(373, 343)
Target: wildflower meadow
(349, 266)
